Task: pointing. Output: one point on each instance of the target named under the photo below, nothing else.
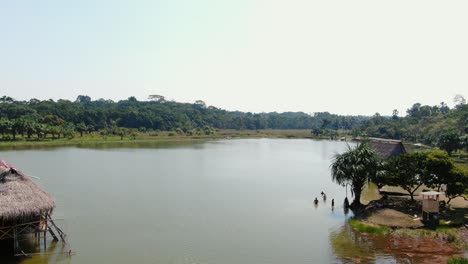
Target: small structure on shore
(430, 208)
(387, 148)
(25, 209)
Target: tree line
(436, 125)
(63, 118)
(431, 125)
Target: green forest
(42, 119)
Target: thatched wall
(21, 199)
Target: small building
(387, 148)
(430, 208)
(25, 209)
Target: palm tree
(354, 167)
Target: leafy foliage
(450, 141)
(409, 171)
(457, 184)
(356, 166)
(431, 125)
(433, 169)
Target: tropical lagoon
(224, 201)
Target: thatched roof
(20, 197)
(387, 148)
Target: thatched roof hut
(387, 148)
(21, 199)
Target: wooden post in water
(45, 233)
(38, 238)
(15, 241)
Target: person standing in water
(333, 203)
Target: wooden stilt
(46, 218)
(60, 232)
(15, 241)
(53, 234)
(35, 230)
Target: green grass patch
(445, 233)
(448, 234)
(367, 228)
(458, 260)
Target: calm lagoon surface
(224, 202)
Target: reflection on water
(348, 246)
(54, 252)
(142, 144)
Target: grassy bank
(459, 260)
(144, 139)
(452, 236)
(368, 228)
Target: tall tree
(157, 98)
(450, 142)
(440, 166)
(355, 167)
(395, 114)
(81, 128)
(82, 99)
(457, 186)
(459, 99)
(409, 171)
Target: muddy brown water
(227, 201)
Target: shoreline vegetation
(96, 139)
(393, 219)
(396, 219)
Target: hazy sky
(345, 57)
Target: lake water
(223, 202)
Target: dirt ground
(398, 212)
(395, 209)
(394, 219)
